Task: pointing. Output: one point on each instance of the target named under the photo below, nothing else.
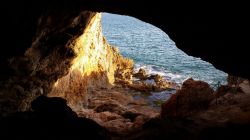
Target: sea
(153, 50)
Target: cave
(54, 57)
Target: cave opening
(75, 62)
(154, 53)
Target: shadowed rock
(194, 96)
(51, 118)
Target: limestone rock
(66, 60)
(149, 83)
(116, 110)
(193, 97)
(96, 66)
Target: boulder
(194, 96)
(50, 118)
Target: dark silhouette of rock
(163, 129)
(194, 96)
(51, 118)
(228, 132)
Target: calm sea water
(153, 50)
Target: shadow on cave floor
(51, 118)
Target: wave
(167, 75)
(175, 77)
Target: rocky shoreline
(117, 110)
(196, 111)
(122, 115)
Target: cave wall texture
(48, 58)
(215, 32)
(67, 61)
(96, 65)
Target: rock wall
(64, 60)
(94, 67)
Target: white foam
(149, 69)
(167, 75)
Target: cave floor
(117, 110)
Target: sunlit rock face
(94, 67)
(68, 57)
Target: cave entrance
(105, 85)
(153, 51)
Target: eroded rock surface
(193, 96)
(116, 110)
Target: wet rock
(151, 83)
(142, 75)
(194, 96)
(160, 83)
(158, 78)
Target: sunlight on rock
(94, 67)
